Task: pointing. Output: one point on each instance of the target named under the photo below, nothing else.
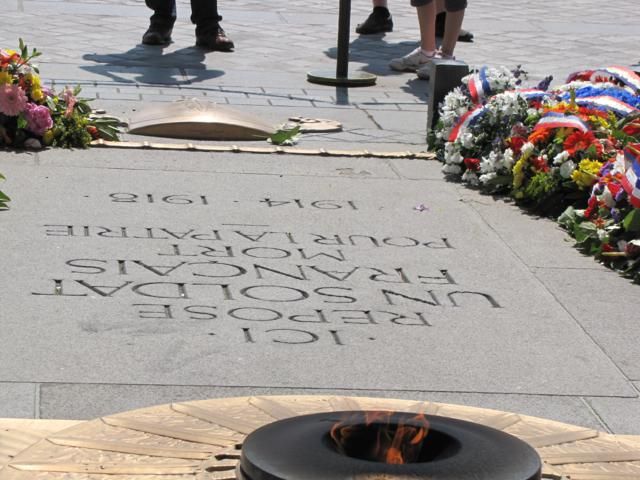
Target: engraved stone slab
(198, 120)
(231, 279)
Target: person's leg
(209, 33)
(425, 53)
(161, 22)
(441, 19)
(455, 15)
(427, 22)
(379, 21)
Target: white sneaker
(423, 72)
(412, 61)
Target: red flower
(93, 131)
(472, 164)
(516, 143)
(591, 207)
(581, 141)
(539, 164)
(607, 248)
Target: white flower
(507, 159)
(487, 177)
(527, 148)
(451, 169)
(567, 168)
(560, 158)
(470, 177)
(466, 139)
(452, 154)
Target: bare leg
(452, 27)
(380, 3)
(427, 22)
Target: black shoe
(379, 21)
(463, 36)
(213, 38)
(157, 34)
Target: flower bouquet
(34, 116)
(574, 147)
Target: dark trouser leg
(164, 12)
(204, 13)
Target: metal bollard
(342, 77)
(444, 76)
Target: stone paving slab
(109, 290)
(18, 399)
(615, 331)
(620, 414)
(87, 401)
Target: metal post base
(355, 79)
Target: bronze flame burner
(302, 448)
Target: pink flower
(38, 118)
(12, 100)
(70, 100)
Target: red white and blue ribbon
(631, 180)
(465, 121)
(607, 103)
(580, 74)
(559, 120)
(479, 86)
(625, 75)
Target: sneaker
(213, 38)
(157, 34)
(412, 61)
(424, 71)
(379, 21)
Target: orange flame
(378, 438)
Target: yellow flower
(518, 174)
(34, 80)
(47, 138)
(587, 173)
(5, 78)
(37, 94)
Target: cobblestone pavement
(276, 46)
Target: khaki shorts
(449, 5)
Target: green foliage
(631, 222)
(4, 199)
(71, 131)
(540, 186)
(285, 136)
(108, 127)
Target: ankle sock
(428, 53)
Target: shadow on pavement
(374, 52)
(150, 65)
